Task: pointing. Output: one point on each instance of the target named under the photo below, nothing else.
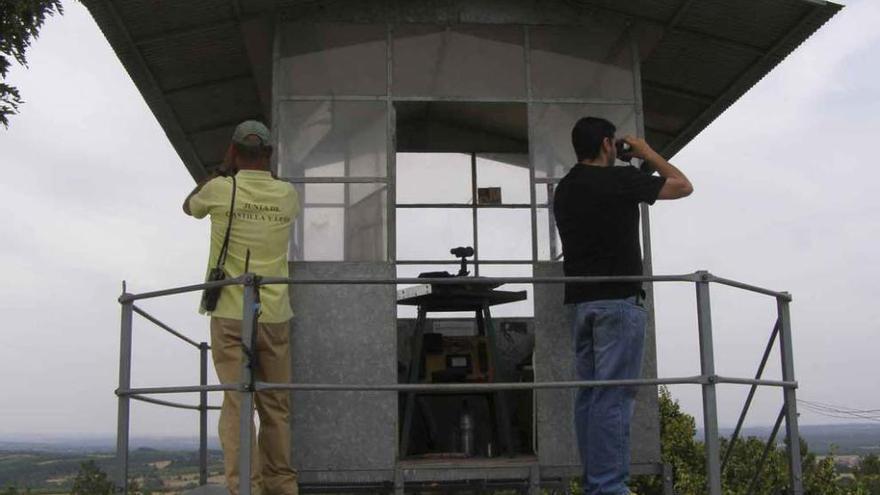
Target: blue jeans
(609, 338)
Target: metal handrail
(742, 416)
(708, 380)
(128, 310)
(165, 327)
(698, 276)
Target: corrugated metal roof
(201, 68)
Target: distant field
(170, 471)
(170, 465)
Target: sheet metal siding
(800, 31)
(211, 144)
(150, 18)
(669, 113)
(686, 62)
(216, 105)
(660, 11)
(197, 57)
(752, 22)
(198, 42)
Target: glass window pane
(339, 59)
(332, 139)
(549, 242)
(433, 178)
(429, 233)
(431, 60)
(321, 194)
(525, 308)
(551, 124)
(505, 234)
(586, 62)
(331, 229)
(543, 192)
(509, 172)
(319, 235)
(366, 221)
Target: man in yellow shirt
(263, 210)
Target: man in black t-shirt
(597, 213)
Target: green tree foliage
(20, 23)
(91, 480)
(868, 474)
(681, 450)
(869, 466)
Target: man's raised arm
(677, 184)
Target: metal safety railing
(248, 386)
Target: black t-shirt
(597, 214)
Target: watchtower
(412, 127)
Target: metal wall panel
(344, 334)
(461, 60)
(321, 59)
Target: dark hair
(587, 136)
(252, 149)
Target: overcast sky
(785, 198)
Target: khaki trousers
(270, 467)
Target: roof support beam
(669, 90)
(207, 84)
(676, 19)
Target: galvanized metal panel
(690, 63)
(650, 9)
(150, 18)
(344, 334)
(196, 42)
(554, 360)
(197, 57)
(211, 144)
(216, 105)
(752, 22)
(669, 112)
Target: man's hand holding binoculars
(635, 147)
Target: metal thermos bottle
(466, 428)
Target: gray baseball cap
(251, 128)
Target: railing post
(707, 369)
(246, 414)
(122, 418)
(203, 414)
(789, 395)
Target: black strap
(221, 258)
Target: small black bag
(210, 296)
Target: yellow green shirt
(264, 209)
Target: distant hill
(855, 439)
(95, 443)
(843, 439)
